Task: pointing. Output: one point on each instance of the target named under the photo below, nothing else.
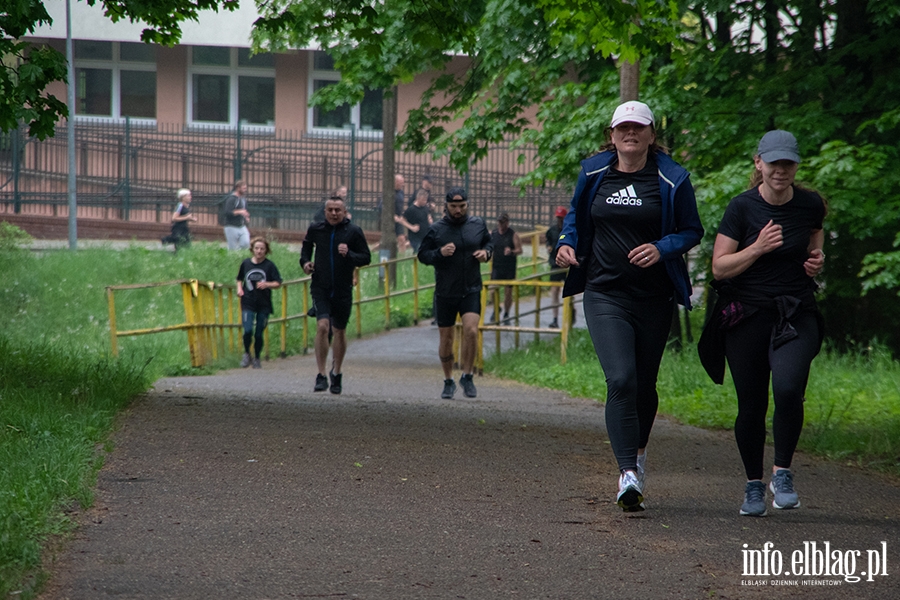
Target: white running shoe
(630, 496)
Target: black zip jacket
(334, 273)
(458, 274)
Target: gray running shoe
(642, 470)
(321, 383)
(245, 361)
(630, 497)
(256, 363)
(449, 389)
(754, 499)
(782, 485)
(468, 386)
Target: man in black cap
(455, 246)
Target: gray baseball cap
(778, 145)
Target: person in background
(181, 234)
(507, 248)
(425, 185)
(552, 236)
(399, 208)
(417, 219)
(456, 246)
(633, 218)
(237, 217)
(340, 247)
(256, 279)
(767, 251)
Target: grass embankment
(852, 406)
(56, 406)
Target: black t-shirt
(250, 274)
(504, 266)
(417, 215)
(627, 212)
(779, 272)
(180, 228)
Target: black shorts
(446, 309)
(336, 308)
(556, 276)
(504, 272)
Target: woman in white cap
(632, 219)
(767, 252)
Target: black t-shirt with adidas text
(627, 212)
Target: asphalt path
(247, 484)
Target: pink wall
(291, 90)
(171, 85)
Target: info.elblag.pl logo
(813, 564)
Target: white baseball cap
(633, 112)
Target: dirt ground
(247, 484)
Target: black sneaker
(554, 324)
(335, 382)
(468, 386)
(321, 383)
(449, 389)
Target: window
(365, 116)
(230, 86)
(114, 80)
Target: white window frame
(233, 72)
(328, 75)
(116, 65)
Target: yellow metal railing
(212, 312)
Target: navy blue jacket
(681, 226)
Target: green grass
(56, 406)
(852, 401)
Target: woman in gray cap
(767, 252)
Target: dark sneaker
(321, 383)
(449, 389)
(754, 499)
(630, 497)
(554, 324)
(336, 382)
(245, 361)
(782, 485)
(256, 363)
(468, 386)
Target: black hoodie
(334, 273)
(458, 274)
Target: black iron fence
(131, 172)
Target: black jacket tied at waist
(729, 311)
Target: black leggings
(629, 337)
(751, 359)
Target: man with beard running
(455, 246)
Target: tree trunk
(629, 80)
(389, 126)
